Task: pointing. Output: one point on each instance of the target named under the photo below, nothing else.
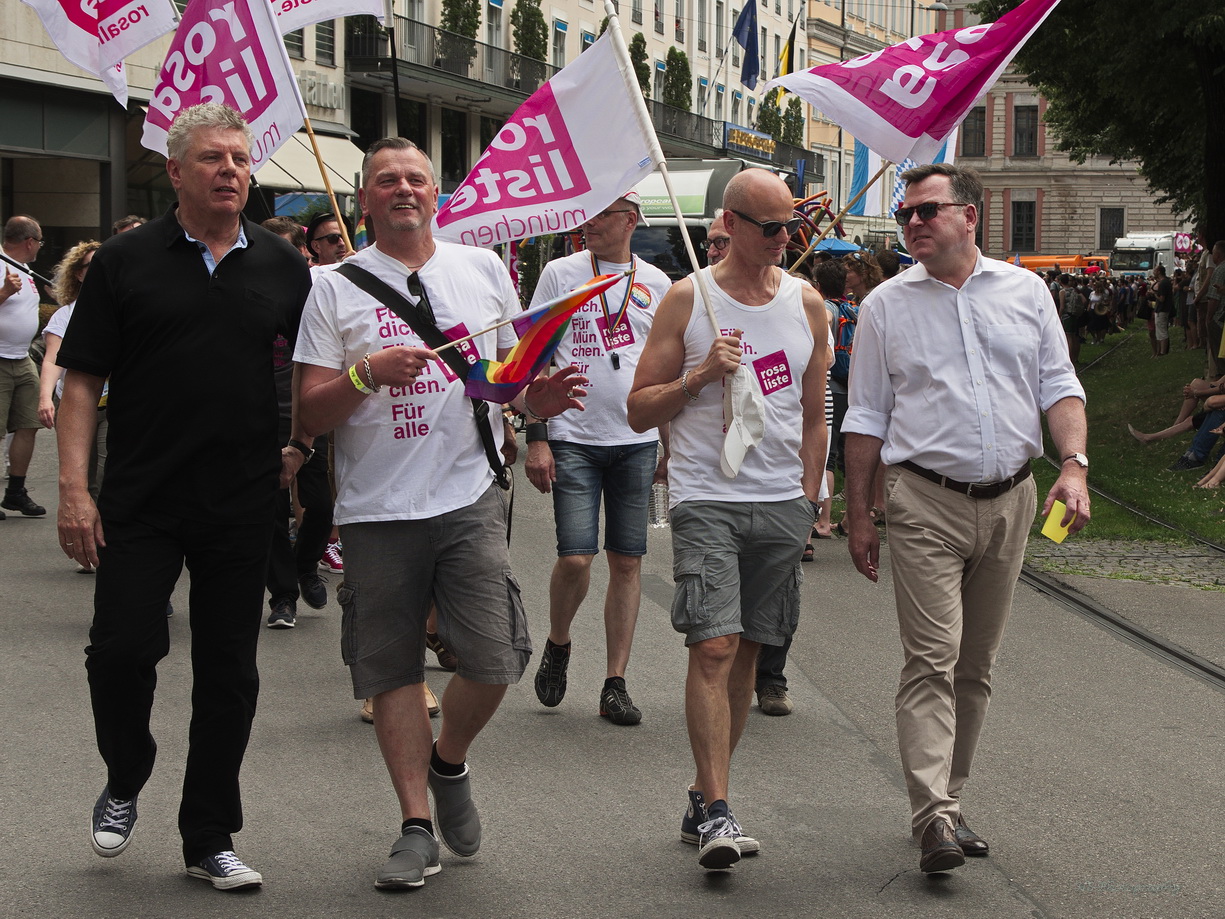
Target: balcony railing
(428, 46)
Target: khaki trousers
(955, 562)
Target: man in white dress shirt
(955, 361)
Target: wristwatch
(302, 448)
(1079, 459)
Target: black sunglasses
(715, 242)
(331, 238)
(771, 227)
(424, 309)
(926, 211)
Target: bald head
(756, 188)
(19, 228)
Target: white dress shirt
(956, 380)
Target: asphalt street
(1098, 781)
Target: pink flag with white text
(228, 51)
(905, 100)
(573, 148)
(296, 14)
(98, 36)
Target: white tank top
(777, 344)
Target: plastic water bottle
(659, 505)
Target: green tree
(678, 80)
(529, 31)
(769, 115)
(1145, 84)
(463, 17)
(793, 123)
(638, 57)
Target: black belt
(978, 490)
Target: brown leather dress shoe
(940, 849)
(971, 843)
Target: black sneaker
(20, 501)
(283, 616)
(111, 827)
(551, 675)
(616, 705)
(1184, 462)
(225, 871)
(314, 590)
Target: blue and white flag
(867, 165)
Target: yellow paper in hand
(1053, 529)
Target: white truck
(1140, 253)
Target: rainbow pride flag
(361, 237)
(540, 331)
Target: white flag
(126, 26)
(573, 148)
(292, 15)
(228, 51)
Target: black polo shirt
(192, 408)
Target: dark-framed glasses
(926, 211)
(715, 242)
(330, 238)
(771, 227)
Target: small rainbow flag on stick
(540, 331)
(361, 238)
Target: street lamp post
(936, 7)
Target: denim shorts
(737, 568)
(623, 474)
(458, 560)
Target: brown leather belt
(977, 490)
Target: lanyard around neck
(629, 287)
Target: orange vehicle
(1070, 264)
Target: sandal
(807, 556)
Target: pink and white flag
(97, 36)
(292, 15)
(574, 147)
(228, 51)
(905, 101)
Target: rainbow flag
(540, 331)
(361, 238)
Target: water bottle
(659, 505)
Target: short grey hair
(964, 183)
(393, 143)
(204, 115)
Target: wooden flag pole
(833, 223)
(327, 184)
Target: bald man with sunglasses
(956, 360)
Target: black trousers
(137, 572)
(288, 561)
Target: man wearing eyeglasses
(23, 238)
(422, 517)
(955, 361)
(736, 541)
(717, 240)
(584, 458)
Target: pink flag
(904, 101)
(567, 153)
(228, 51)
(97, 36)
(296, 14)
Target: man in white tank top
(737, 541)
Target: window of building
(1024, 226)
(636, 12)
(701, 25)
(750, 111)
(1025, 130)
(660, 70)
(974, 132)
(762, 48)
(735, 44)
(718, 103)
(659, 16)
(295, 44)
(719, 28)
(493, 26)
(778, 54)
(588, 39)
(1110, 222)
(680, 20)
(559, 43)
(736, 98)
(325, 42)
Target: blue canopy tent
(830, 244)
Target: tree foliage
(1134, 80)
(678, 80)
(793, 123)
(638, 57)
(529, 31)
(770, 116)
(463, 17)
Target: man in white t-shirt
(23, 237)
(420, 513)
(736, 541)
(585, 455)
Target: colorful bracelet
(357, 382)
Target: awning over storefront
(293, 166)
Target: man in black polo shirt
(181, 315)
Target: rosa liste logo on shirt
(467, 349)
(773, 372)
(620, 337)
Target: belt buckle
(989, 490)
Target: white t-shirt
(410, 452)
(19, 318)
(57, 325)
(777, 345)
(589, 344)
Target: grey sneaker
(458, 823)
(773, 700)
(112, 824)
(225, 871)
(695, 816)
(414, 858)
(283, 615)
(717, 847)
(551, 675)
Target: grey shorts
(737, 568)
(18, 394)
(458, 560)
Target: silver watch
(1079, 459)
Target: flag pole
(885, 164)
(715, 79)
(30, 271)
(327, 183)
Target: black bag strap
(429, 333)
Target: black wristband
(302, 448)
(537, 431)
